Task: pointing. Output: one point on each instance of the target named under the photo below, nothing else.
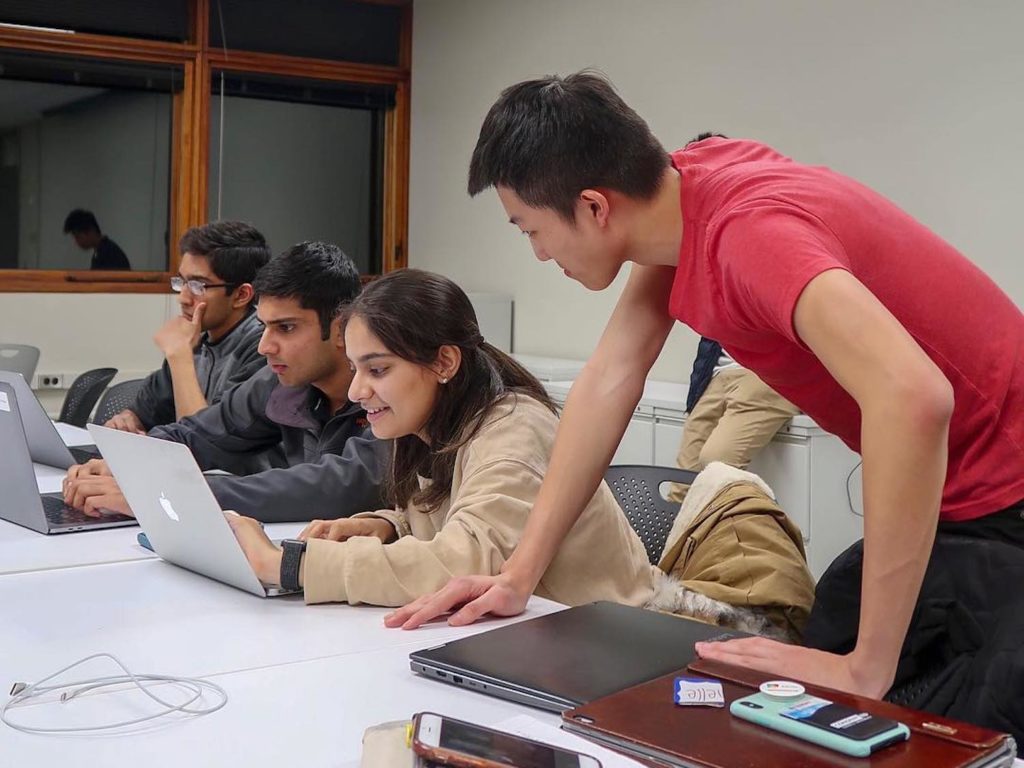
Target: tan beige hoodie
(496, 479)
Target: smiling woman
(472, 435)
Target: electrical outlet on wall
(49, 381)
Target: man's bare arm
(597, 411)
(906, 404)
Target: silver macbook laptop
(565, 659)
(176, 508)
(45, 444)
(20, 500)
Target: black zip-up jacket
(219, 366)
(296, 461)
(963, 656)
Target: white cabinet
(806, 467)
(668, 434)
(635, 447)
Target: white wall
(79, 331)
(921, 100)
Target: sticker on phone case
(805, 708)
(698, 692)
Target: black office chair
(116, 399)
(83, 394)
(637, 488)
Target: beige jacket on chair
(734, 546)
(495, 483)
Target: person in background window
(212, 345)
(106, 254)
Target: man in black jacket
(331, 466)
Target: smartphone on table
(466, 745)
(822, 722)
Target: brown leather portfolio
(643, 722)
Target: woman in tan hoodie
(473, 432)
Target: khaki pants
(735, 418)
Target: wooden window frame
(190, 128)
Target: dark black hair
(414, 313)
(706, 135)
(549, 139)
(319, 275)
(80, 220)
(235, 250)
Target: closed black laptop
(565, 659)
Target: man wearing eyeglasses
(212, 344)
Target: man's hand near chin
(96, 495)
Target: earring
(444, 380)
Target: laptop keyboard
(84, 453)
(60, 515)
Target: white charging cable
(21, 693)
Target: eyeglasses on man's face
(195, 287)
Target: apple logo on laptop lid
(166, 504)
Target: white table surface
(308, 714)
(303, 682)
(22, 549)
(157, 616)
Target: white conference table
(303, 682)
(157, 616)
(308, 713)
(24, 550)
(67, 596)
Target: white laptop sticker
(4, 405)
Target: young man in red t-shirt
(840, 301)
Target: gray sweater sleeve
(154, 403)
(234, 435)
(332, 487)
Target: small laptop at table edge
(564, 659)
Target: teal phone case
(769, 716)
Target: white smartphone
(465, 745)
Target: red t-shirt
(757, 227)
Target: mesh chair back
(914, 692)
(20, 358)
(638, 491)
(83, 394)
(116, 399)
